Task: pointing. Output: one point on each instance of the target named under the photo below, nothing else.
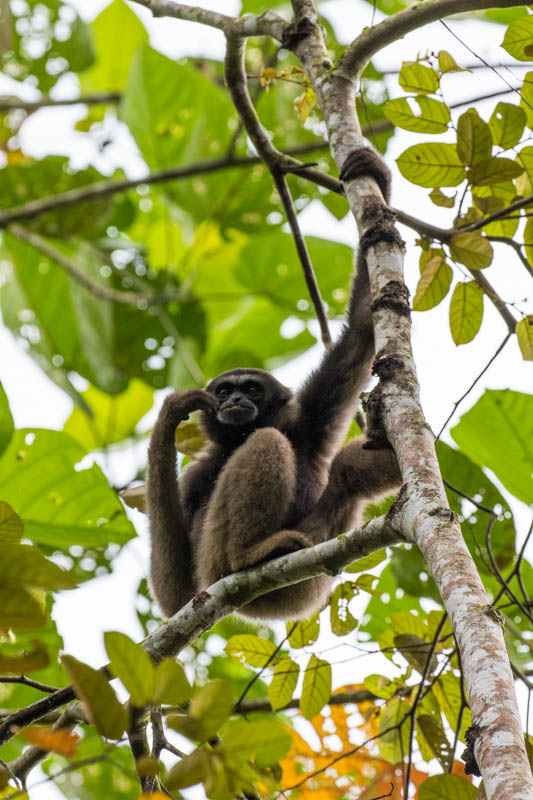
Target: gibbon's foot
(364, 161)
(290, 546)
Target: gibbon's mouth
(237, 413)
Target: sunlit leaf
(6, 421)
(131, 663)
(283, 683)
(252, 650)
(433, 732)
(11, 525)
(440, 199)
(507, 123)
(447, 63)
(21, 609)
(471, 249)
(305, 104)
(341, 619)
(447, 787)
(393, 740)
(303, 632)
(524, 333)
(432, 164)
(418, 78)
(518, 39)
(432, 115)
(266, 740)
(316, 689)
(170, 684)
(466, 312)
(433, 285)
(24, 566)
(474, 138)
(494, 170)
(99, 699)
(492, 434)
(367, 562)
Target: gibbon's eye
(253, 390)
(222, 391)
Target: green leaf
(211, 707)
(11, 525)
(507, 124)
(131, 663)
(393, 741)
(432, 730)
(6, 421)
(526, 97)
(466, 312)
(524, 333)
(433, 116)
(494, 170)
(518, 39)
(415, 651)
(432, 164)
(25, 661)
(283, 683)
(316, 689)
(252, 650)
(381, 686)
(114, 418)
(170, 684)
(417, 78)
(440, 199)
(474, 138)
(192, 769)
(99, 699)
(304, 632)
(60, 505)
(447, 787)
(447, 63)
(174, 113)
(266, 740)
(434, 283)
(496, 433)
(367, 562)
(341, 619)
(23, 566)
(116, 23)
(21, 609)
(447, 690)
(471, 249)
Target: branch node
(394, 296)
(386, 367)
(297, 32)
(471, 765)
(444, 513)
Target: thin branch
(42, 687)
(403, 22)
(103, 292)
(503, 213)
(496, 300)
(463, 396)
(517, 247)
(238, 87)
(99, 189)
(230, 593)
(267, 24)
(13, 103)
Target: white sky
(444, 370)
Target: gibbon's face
(240, 398)
(247, 397)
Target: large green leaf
(24, 566)
(447, 787)
(316, 688)
(117, 33)
(60, 504)
(466, 312)
(474, 138)
(131, 663)
(48, 40)
(113, 418)
(432, 164)
(6, 421)
(518, 39)
(432, 116)
(105, 342)
(507, 123)
(497, 433)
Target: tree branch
(238, 87)
(395, 27)
(12, 103)
(229, 594)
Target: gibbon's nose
(236, 398)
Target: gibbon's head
(248, 399)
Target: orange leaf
(62, 741)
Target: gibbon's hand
(179, 405)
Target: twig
(463, 396)
(12, 103)
(238, 87)
(517, 247)
(42, 687)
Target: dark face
(248, 399)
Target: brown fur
(270, 481)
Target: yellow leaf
(11, 525)
(524, 332)
(305, 103)
(268, 76)
(59, 741)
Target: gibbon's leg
(356, 477)
(250, 502)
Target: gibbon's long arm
(329, 397)
(171, 557)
